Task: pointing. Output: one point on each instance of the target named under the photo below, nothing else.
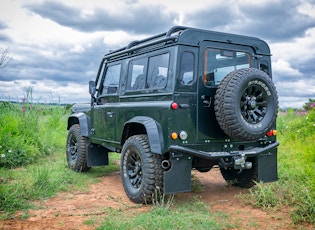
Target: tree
(4, 58)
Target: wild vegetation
(296, 164)
(33, 167)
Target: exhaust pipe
(166, 164)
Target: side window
(157, 71)
(186, 74)
(111, 80)
(136, 74)
(219, 63)
(148, 72)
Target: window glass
(157, 71)
(219, 63)
(148, 72)
(98, 83)
(137, 69)
(186, 73)
(111, 81)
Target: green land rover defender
(187, 99)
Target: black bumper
(216, 155)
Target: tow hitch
(241, 163)
(237, 162)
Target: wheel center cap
(252, 104)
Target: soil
(71, 210)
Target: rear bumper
(217, 155)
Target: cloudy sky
(55, 46)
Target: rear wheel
(76, 149)
(141, 171)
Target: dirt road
(71, 210)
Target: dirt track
(70, 210)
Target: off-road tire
(141, 171)
(76, 149)
(246, 104)
(245, 178)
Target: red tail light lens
(174, 105)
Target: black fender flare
(153, 130)
(83, 120)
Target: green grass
(193, 214)
(32, 157)
(50, 175)
(296, 166)
(29, 132)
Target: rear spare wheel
(246, 104)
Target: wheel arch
(83, 120)
(148, 126)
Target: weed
(160, 200)
(265, 197)
(195, 184)
(90, 221)
(304, 210)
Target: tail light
(174, 105)
(272, 132)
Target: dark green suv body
(181, 100)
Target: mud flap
(178, 178)
(97, 155)
(267, 166)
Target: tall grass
(28, 132)
(296, 164)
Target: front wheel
(77, 149)
(141, 171)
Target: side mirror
(92, 88)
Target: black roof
(193, 37)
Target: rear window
(220, 62)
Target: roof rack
(163, 37)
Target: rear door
(216, 60)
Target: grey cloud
(279, 21)
(306, 70)
(3, 25)
(134, 19)
(3, 37)
(276, 21)
(212, 18)
(69, 67)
